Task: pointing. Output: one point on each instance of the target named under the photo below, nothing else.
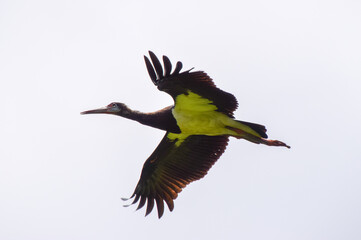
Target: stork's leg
(256, 139)
(273, 143)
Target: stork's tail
(258, 128)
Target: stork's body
(197, 130)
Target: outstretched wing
(198, 82)
(177, 161)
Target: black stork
(197, 130)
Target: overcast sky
(294, 66)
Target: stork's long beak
(99, 110)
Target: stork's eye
(112, 105)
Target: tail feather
(260, 129)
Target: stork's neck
(162, 119)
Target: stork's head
(115, 108)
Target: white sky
(293, 65)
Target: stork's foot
(274, 143)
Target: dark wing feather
(182, 82)
(157, 65)
(167, 66)
(178, 68)
(170, 168)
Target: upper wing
(175, 163)
(199, 82)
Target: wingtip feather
(167, 66)
(178, 67)
(160, 206)
(157, 65)
(142, 202)
(150, 206)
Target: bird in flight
(197, 130)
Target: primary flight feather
(197, 130)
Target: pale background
(293, 65)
